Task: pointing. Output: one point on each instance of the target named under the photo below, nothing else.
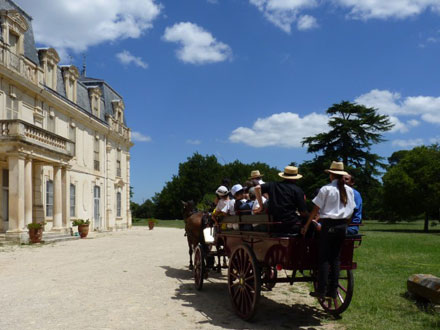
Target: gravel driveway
(136, 279)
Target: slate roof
(83, 83)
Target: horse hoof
(191, 267)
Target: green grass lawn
(389, 254)
(161, 223)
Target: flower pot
(83, 230)
(151, 225)
(35, 235)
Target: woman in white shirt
(335, 205)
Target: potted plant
(36, 231)
(151, 223)
(83, 227)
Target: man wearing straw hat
(256, 177)
(286, 200)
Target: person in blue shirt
(357, 214)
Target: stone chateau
(64, 142)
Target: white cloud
(307, 22)
(413, 123)
(435, 140)
(212, 1)
(195, 142)
(76, 25)
(198, 46)
(139, 137)
(127, 58)
(384, 9)
(393, 104)
(283, 130)
(411, 143)
(283, 13)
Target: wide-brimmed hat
(290, 173)
(222, 191)
(255, 174)
(337, 168)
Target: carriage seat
(357, 236)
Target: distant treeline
(406, 188)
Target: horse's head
(188, 208)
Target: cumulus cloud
(285, 129)
(383, 9)
(411, 143)
(194, 142)
(139, 137)
(307, 22)
(76, 25)
(283, 13)
(198, 46)
(393, 104)
(126, 58)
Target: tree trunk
(426, 227)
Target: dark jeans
(331, 237)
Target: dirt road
(136, 279)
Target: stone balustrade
(20, 130)
(119, 128)
(20, 65)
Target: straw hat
(255, 174)
(337, 168)
(290, 173)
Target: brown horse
(193, 228)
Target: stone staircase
(47, 239)
(56, 237)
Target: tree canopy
(412, 184)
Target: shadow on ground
(213, 302)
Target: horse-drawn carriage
(256, 257)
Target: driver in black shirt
(286, 201)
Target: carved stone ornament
(16, 18)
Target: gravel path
(136, 279)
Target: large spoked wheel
(344, 294)
(244, 281)
(199, 267)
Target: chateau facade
(64, 142)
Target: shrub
(79, 222)
(36, 225)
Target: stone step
(52, 238)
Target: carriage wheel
(199, 267)
(244, 281)
(344, 294)
(271, 274)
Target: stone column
(66, 198)
(28, 191)
(16, 197)
(57, 199)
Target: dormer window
(95, 101)
(71, 76)
(49, 59)
(14, 25)
(118, 110)
(13, 43)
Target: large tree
(412, 184)
(354, 129)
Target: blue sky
(247, 79)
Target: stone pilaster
(17, 230)
(28, 191)
(57, 199)
(66, 197)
